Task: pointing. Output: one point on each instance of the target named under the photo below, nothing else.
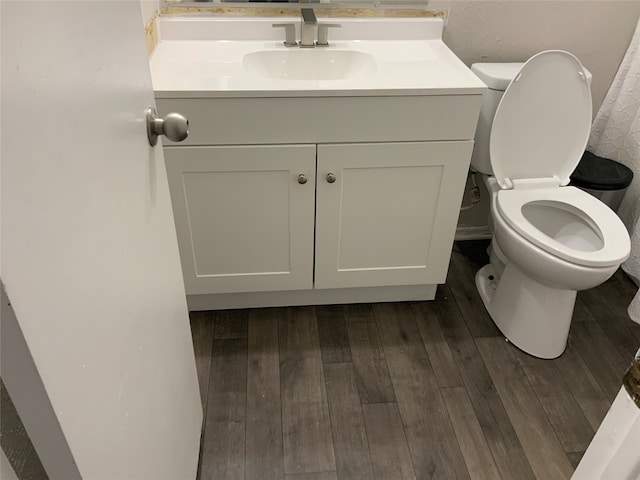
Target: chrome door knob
(331, 178)
(302, 179)
(173, 126)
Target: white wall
(597, 32)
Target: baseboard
(311, 297)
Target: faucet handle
(289, 33)
(323, 33)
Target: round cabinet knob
(331, 178)
(174, 126)
(302, 179)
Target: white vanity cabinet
(312, 190)
(379, 214)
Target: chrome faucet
(308, 27)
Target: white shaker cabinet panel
(389, 217)
(244, 216)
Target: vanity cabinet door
(386, 213)
(244, 216)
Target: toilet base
(534, 317)
(486, 284)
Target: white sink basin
(212, 57)
(310, 64)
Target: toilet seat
(539, 133)
(542, 124)
(572, 202)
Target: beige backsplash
(151, 34)
(321, 11)
(151, 30)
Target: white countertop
(411, 60)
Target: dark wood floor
(405, 390)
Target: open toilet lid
(542, 124)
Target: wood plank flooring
(410, 390)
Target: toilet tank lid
(497, 76)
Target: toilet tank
(496, 76)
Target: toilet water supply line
(474, 192)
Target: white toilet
(550, 240)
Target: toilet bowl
(550, 240)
